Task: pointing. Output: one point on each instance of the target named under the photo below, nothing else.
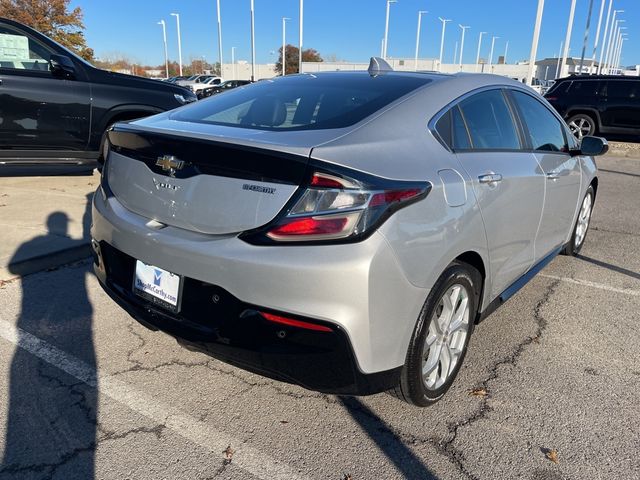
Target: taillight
(338, 206)
(292, 322)
(551, 99)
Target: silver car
(344, 231)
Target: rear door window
(584, 88)
(623, 89)
(490, 122)
(546, 133)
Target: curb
(45, 262)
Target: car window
(20, 52)
(309, 102)
(452, 130)
(586, 88)
(490, 122)
(624, 89)
(545, 130)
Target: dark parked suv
(55, 107)
(598, 104)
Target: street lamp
(166, 57)
(479, 45)
(534, 43)
(386, 29)
(253, 44)
(622, 40)
(586, 36)
(604, 37)
(420, 13)
(595, 45)
(621, 34)
(444, 26)
(464, 29)
(506, 50)
(567, 39)
(284, 35)
(611, 37)
(233, 62)
(219, 37)
(493, 42)
(300, 37)
(616, 30)
(179, 45)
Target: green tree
(53, 18)
(291, 56)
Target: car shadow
(387, 440)
(619, 173)
(51, 416)
(609, 266)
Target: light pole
(420, 13)
(622, 40)
(444, 26)
(233, 62)
(177, 15)
(595, 45)
(567, 39)
(611, 37)
(559, 58)
(300, 37)
(386, 29)
(284, 35)
(464, 29)
(493, 42)
(604, 38)
(586, 36)
(618, 46)
(253, 45)
(534, 43)
(166, 57)
(478, 54)
(219, 38)
(506, 50)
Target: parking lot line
(198, 432)
(586, 283)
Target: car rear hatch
(224, 181)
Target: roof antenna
(377, 66)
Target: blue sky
(349, 29)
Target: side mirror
(593, 146)
(62, 66)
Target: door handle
(553, 175)
(490, 178)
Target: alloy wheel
(583, 220)
(445, 341)
(580, 127)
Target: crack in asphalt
(455, 455)
(620, 232)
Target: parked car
(344, 230)
(195, 79)
(176, 79)
(228, 85)
(601, 104)
(55, 106)
(208, 82)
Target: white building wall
(242, 71)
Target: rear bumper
(235, 332)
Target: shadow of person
(51, 418)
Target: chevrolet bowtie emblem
(170, 164)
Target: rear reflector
(294, 323)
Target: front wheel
(582, 225)
(441, 336)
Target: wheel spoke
(432, 360)
(461, 315)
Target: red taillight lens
(291, 322)
(336, 207)
(393, 196)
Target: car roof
(579, 78)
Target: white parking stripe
(586, 283)
(245, 457)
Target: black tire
(412, 388)
(575, 244)
(582, 125)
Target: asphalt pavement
(549, 389)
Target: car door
(548, 139)
(507, 181)
(39, 111)
(621, 104)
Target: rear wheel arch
(594, 184)
(594, 114)
(473, 259)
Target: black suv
(55, 107)
(599, 104)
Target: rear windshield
(302, 102)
